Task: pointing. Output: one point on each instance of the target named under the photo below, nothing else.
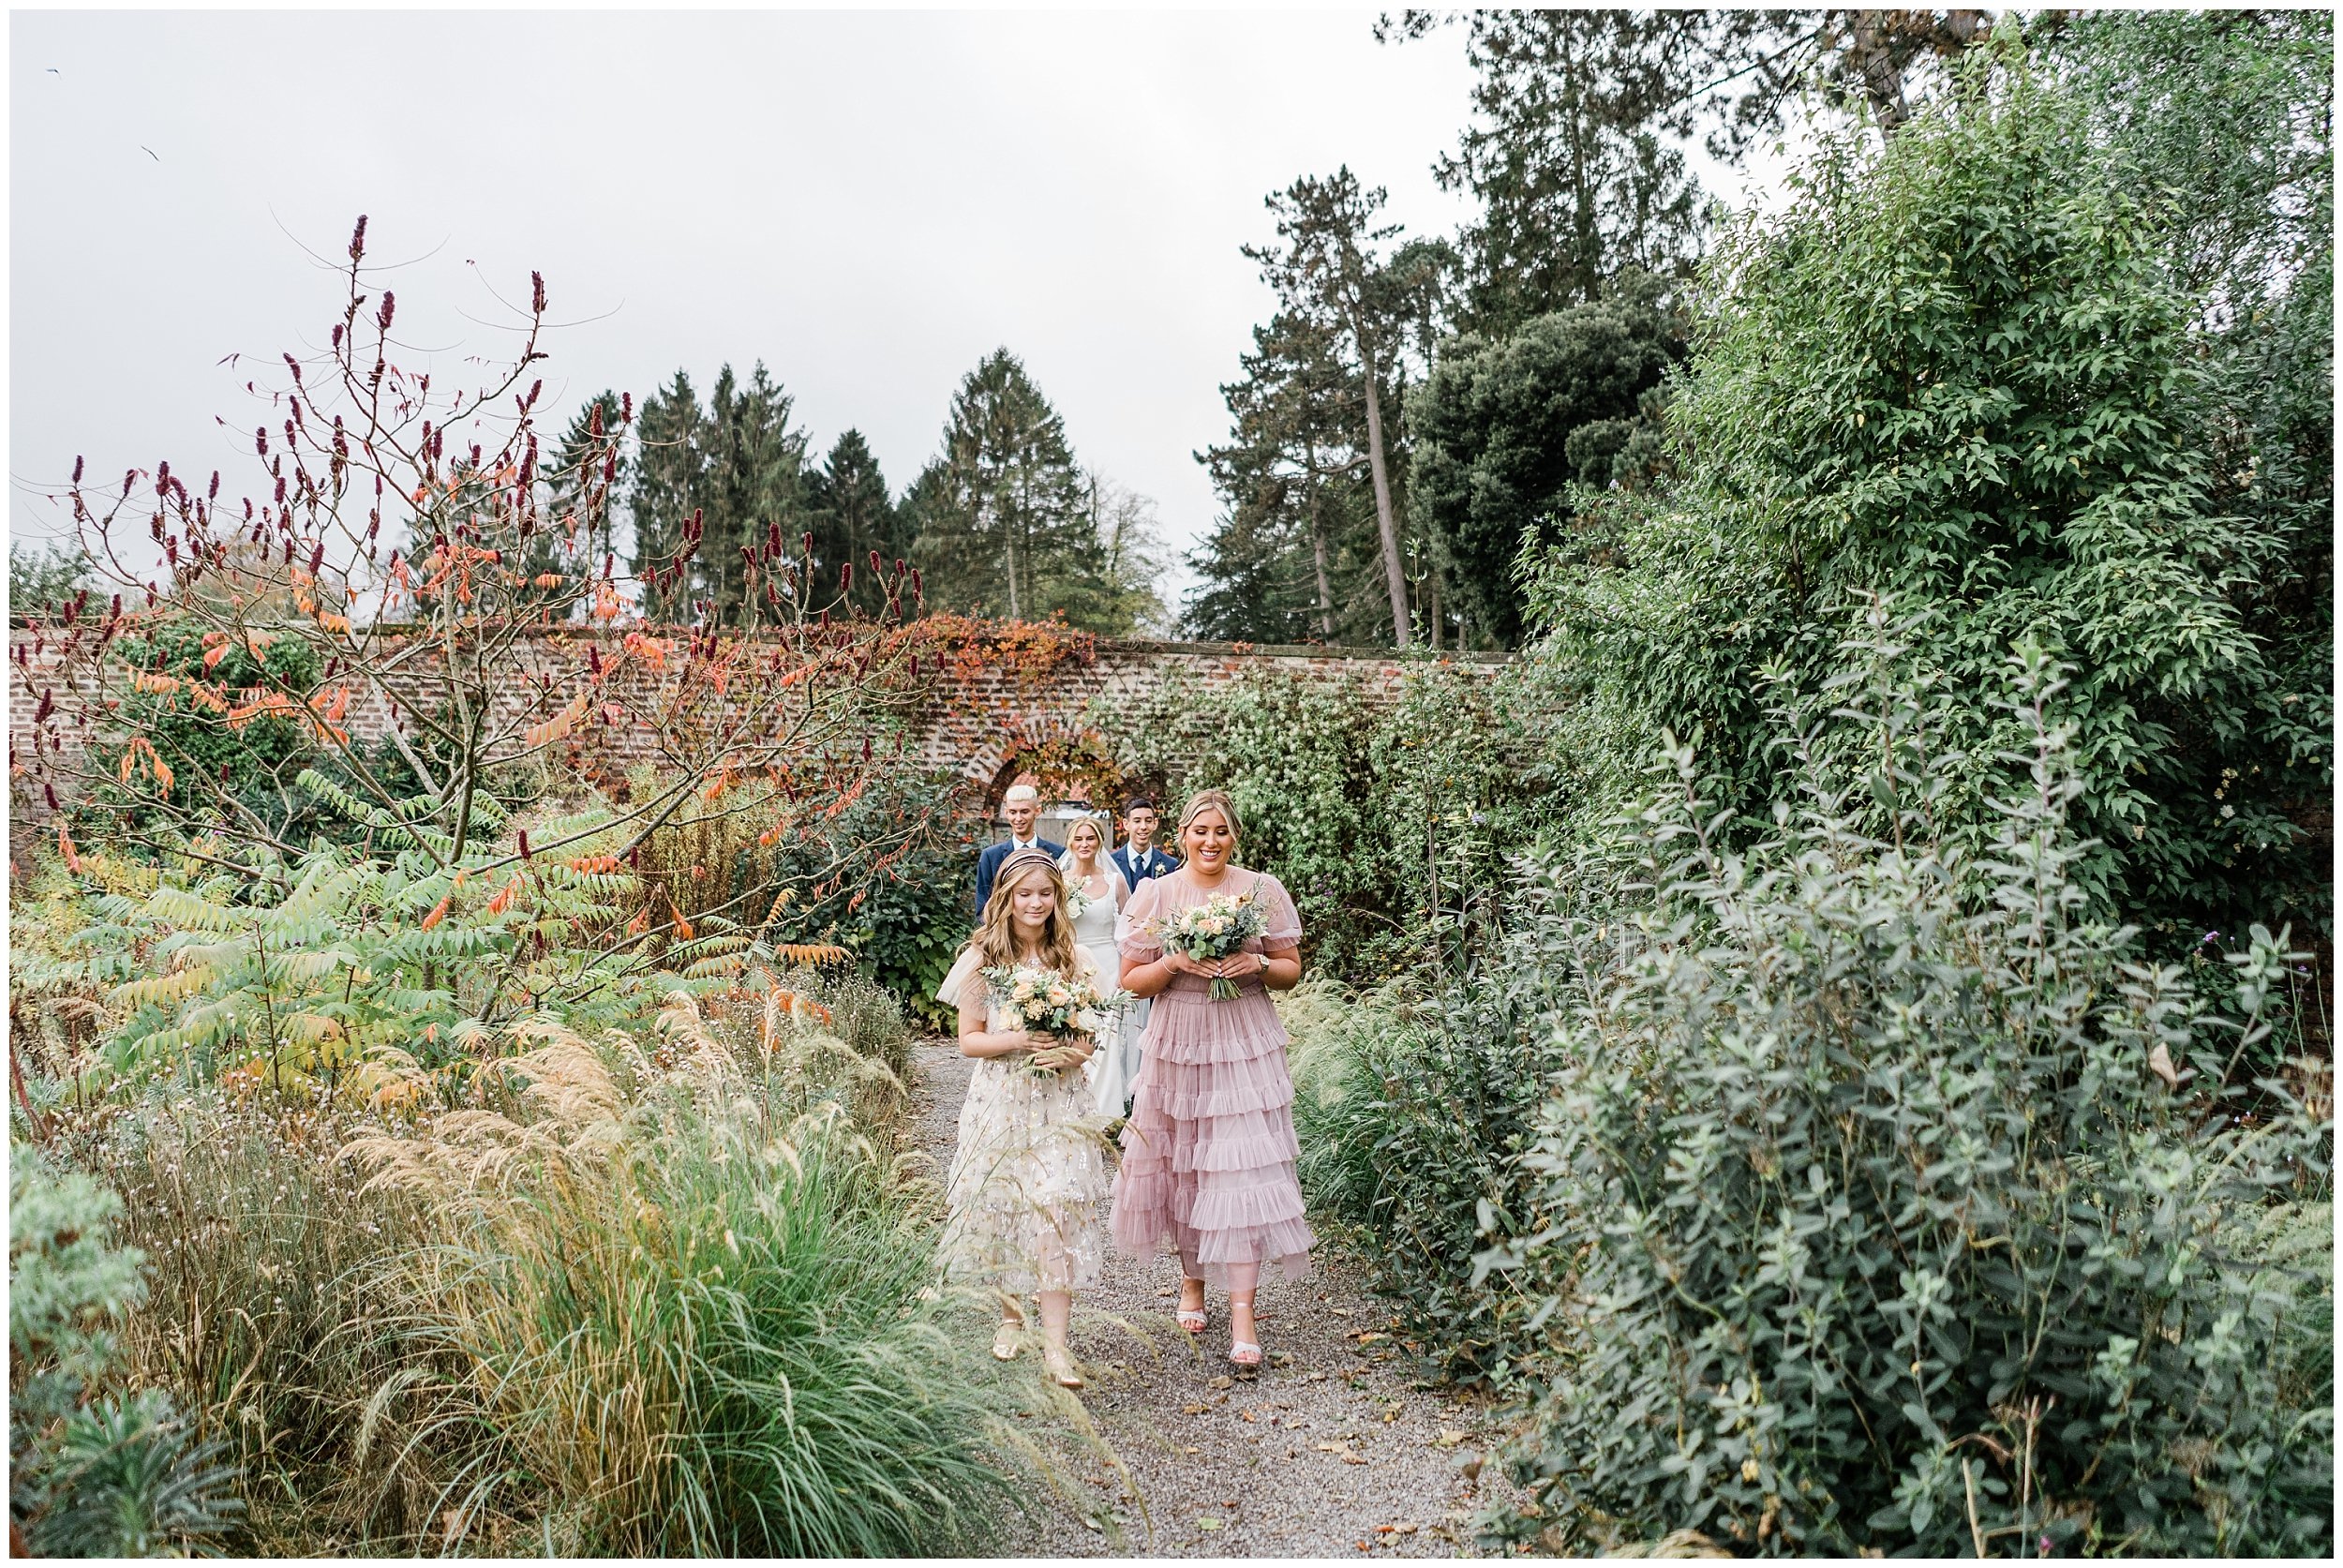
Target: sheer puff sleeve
(1132, 939)
(963, 967)
(1282, 929)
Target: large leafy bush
(1889, 1197)
(1965, 370)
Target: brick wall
(975, 728)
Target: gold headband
(1019, 860)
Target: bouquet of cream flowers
(1213, 930)
(1045, 1002)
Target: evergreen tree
(1575, 148)
(753, 476)
(1284, 562)
(1504, 429)
(666, 487)
(740, 467)
(851, 517)
(1326, 272)
(1005, 523)
(580, 529)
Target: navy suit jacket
(1156, 863)
(989, 866)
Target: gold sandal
(1005, 1341)
(1059, 1362)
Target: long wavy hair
(995, 940)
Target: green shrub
(1388, 821)
(95, 1471)
(1967, 370)
(1887, 1199)
(1411, 1112)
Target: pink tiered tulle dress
(1209, 1153)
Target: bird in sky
(150, 152)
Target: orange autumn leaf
(439, 912)
(503, 900)
(682, 926)
(65, 847)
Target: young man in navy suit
(1019, 807)
(1139, 859)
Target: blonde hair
(995, 940)
(1098, 823)
(1212, 800)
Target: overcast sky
(868, 201)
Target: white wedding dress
(1113, 1068)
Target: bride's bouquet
(1210, 931)
(1045, 1002)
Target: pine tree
(740, 467)
(577, 532)
(1282, 566)
(753, 480)
(1576, 151)
(851, 517)
(664, 489)
(1327, 273)
(1005, 526)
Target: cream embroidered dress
(1208, 1158)
(1027, 1188)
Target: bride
(1099, 894)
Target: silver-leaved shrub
(1886, 1198)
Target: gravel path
(1332, 1450)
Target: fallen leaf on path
(1449, 1437)
(1205, 1521)
(1191, 1409)
(1224, 1381)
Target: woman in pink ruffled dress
(1208, 1157)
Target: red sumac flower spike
(382, 316)
(337, 334)
(213, 494)
(537, 293)
(875, 566)
(51, 790)
(358, 238)
(77, 470)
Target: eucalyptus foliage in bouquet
(1213, 930)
